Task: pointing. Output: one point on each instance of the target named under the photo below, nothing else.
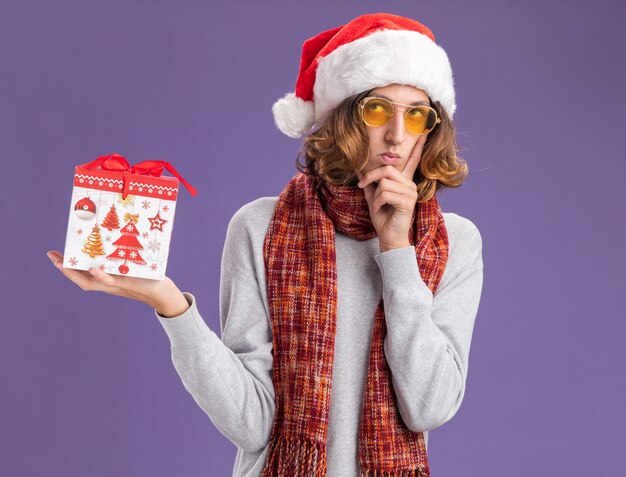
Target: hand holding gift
(120, 222)
(162, 295)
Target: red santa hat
(371, 51)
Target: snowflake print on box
(154, 245)
(121, 217)
(126, 201)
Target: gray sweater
(427, 343)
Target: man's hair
(338, 148)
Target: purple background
(87, 384)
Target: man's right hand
(162, 295)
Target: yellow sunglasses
(377, 111)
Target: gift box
(121, 217)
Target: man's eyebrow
(412, 104)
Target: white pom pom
(292, 115)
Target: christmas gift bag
(121, 217)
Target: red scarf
(300, 264)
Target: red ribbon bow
(115, 162)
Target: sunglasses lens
(420, 119)
(377, 112)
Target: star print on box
(121, 218)
(157, 222)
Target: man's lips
(389, 158)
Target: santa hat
(371, 51)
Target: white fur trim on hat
(380, 59)
(292, 115)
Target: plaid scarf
(299, 256)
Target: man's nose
(396, 128)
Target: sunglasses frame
(364, 101)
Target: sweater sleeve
(428, 338)
(231, 378)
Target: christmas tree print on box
(112, 220)
(127, 246)
(93, 245)
(121, 236)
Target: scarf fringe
(421, 471)
(295, 457)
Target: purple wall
(87, 385)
